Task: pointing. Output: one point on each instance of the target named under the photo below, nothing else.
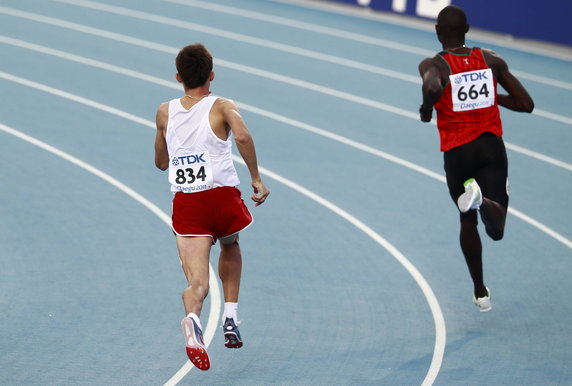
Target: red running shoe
(196, 350)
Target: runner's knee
(495, 232)
(197, 289)
(229, 240)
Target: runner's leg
(472, 250)
(493, 215)
(492, 177)
(230, 267)
(194, 254)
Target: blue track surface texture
(352, 270)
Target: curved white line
(543, 79)
(243, 68)
(553, 116)
(387, 156)
(539, 156)
(351, 97)
(440, 330)
(348, 35)
(215, 306)
(354, 221)
(428, 374)
(439, 320)
(239, 67)
(242, 38)
(499, 39)
(296, 51)
(175, 86)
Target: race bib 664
(472, 90)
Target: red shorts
(217, 212)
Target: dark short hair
(194, 65)
(452, 18)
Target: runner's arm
(517, 98)
(161, 152)
(245, 146)
(431, 88)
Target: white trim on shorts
(211, 236)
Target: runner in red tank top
(457, 128)
(461, 83)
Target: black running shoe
(231, 334)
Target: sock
(196, 319)
(230, 311)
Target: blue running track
(352, 270)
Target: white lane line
(271, 115)
(420, 169)
(239, 67)
(337, 60)
(347, 35)
(313, 129)
(542, 79)
(215, 302)
(538, 156)
(498, 39)
(554, 117)
(176, 86)
(296, 51)
(338, 33)
(438, 318)
(440, 330)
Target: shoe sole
(195, 351)
(466, 201)
(481, 309)
(484, 309)
(232, 340)
(199, 357)
(478, 304)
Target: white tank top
(198, 159)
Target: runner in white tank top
(199, 160)
(194, 141)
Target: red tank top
(468, 106)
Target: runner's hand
(260, 192)
(425, 114)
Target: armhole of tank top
(168, 117)
(208, 117)
(484, 57)
(448, 66)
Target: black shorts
(483, 159)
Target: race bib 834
(191, 172)
(472, 90)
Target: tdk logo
(188, 159)
(471, 77)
